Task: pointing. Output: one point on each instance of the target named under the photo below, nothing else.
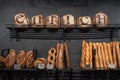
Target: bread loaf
(106, 54)
(38, 21)
(21, 20)
(10, 59)
(82, 61)
(29, 59)
(101, 19)
(57, 54)
(114, 53)
(90, 54)
(118, 54)
(103, 57)
(61, 57)
(20, 58)
(2, 64)
(84, 21)
(53, 21)
(68, 21)
(40, 61)
(67, 59)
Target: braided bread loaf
(21, 19)
(10, 59)
(51, 56)
(29, 59)
(40, 61)
(38, 21)
(53, 21)
(20, 58)
(68, 21)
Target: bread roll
(20, 59)
(68, 21)
(67, 58)
(38, 21)
(51, 56)
(10, 59)
(40, 61)
(101, 19)
(84, 21)
(53, 21)
(21, 19)
(29, 59)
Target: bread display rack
(62, 34)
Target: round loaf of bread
(84, 21)
(21, 20)
(68, 21)
(40, 61)
(53, 21)
(37, 21)
(101, 19)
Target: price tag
(50, 66)
(87, 66)
(16, 66)
(112, 66)
(41, 66)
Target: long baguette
(82, 61)
(114, 54)
(90, 53)
(118, 53)
(96, 56)
(110, 54)
(61, 57)
(106, 54)
(57, 55)
(67, 55)
(100, 57)
(87, 55)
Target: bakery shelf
(70, 74)
(63, 33)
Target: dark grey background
(46, 7)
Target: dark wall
(46, 7)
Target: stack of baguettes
(105, 54)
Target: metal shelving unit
(62, 34)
